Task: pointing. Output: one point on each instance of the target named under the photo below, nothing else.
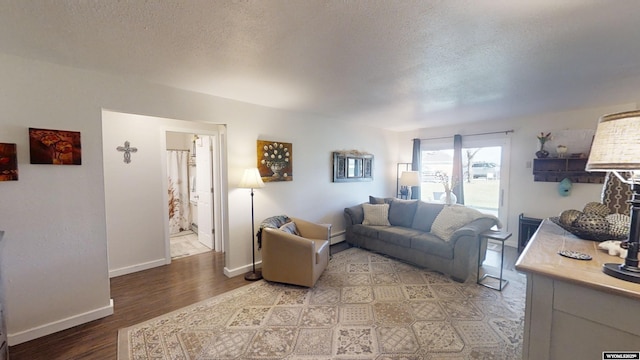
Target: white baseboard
(63, 324)
(240, 270)
(138, 267)
(338, 237)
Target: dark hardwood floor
(144, 295)
(137, 297)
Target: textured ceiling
(398, 65)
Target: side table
(501, 236)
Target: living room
(57, 251)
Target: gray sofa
(410, 238)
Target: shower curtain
(178, 173)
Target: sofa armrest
(354, 215)
(473, 229)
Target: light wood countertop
(541, 257)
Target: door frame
(219, 164)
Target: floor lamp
(252, 180)
(615, 148)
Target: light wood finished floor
(145, 295)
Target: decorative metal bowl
(587, 234)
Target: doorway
(136, 198)
(191, 191)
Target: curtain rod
(178, 150)
(485, 133)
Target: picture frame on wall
(275, 160)
(55, 147)
(8, 162)
(350, 166)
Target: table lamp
(615, 148)
(408, 179)
(252, 180)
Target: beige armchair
(293, 259)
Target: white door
(204, 190)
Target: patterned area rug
(364, 306)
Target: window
(484, 160)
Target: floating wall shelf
(556, 169)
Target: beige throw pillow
(453, 217)
(377, 214)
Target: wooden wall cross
(127, 151)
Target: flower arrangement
(443, 178)
(542, 138)
(276, 157)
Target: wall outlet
(528, 164)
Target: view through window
(481, 176)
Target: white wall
(534, 199)
(55, 267)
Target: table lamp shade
(409, 178)
(251, 179)
(616, 145)
(615, 148)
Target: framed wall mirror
(352, 166)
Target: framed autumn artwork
(57, 147)
(275, 161)
(8, 162)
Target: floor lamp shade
(615, 148)
(251, 180)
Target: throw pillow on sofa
(377, 214)
(453, 217)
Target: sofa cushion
(431, 244)
(379, 200)
(375, 214)
(426, 213)
(398, 235)
(368, 231)
(401, 212)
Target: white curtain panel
(178, 173)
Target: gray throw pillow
(401, 212)
(378, 200)
(426, 213)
